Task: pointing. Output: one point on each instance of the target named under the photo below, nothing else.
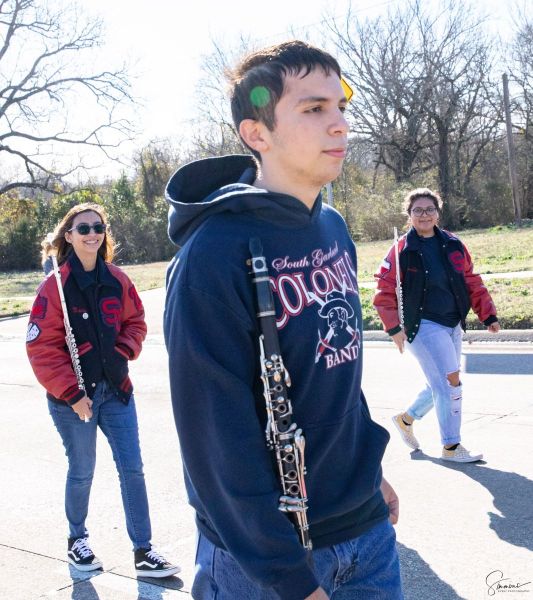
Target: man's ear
(253, 134)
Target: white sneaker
(461, 455)
(406, 431)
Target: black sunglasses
(85, 228)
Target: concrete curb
(510, 335)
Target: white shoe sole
(468, 459)
(165, 573)
(92, 567)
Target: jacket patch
(458, 261)
(33, 332)
(110, 309)
(40, 305)
(384, 268)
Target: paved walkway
(460, 525)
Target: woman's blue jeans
(118, 421)
(438, 351)
(365, 568)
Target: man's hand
(318, 594)
(391, 500)
(83, 408)
(494, 327)
(399, 339)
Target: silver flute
(399, 292)
(283, 437)
(69, 334)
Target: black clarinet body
(283, 437)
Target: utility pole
(511, 153)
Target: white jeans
(438, 351)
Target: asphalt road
(462, 529)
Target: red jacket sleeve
(133, 327)
(46, 345)
(385, 299)
(482, 303)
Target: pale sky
(165, 40)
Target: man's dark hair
(257, 82)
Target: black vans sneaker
(81, 556)
(148, 563)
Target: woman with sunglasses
(107, 320)
(438, 288)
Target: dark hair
(257, 82)
(418, 193)
(59, 246)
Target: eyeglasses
(85, 228)
(418, 212)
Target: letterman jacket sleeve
(385, 300)
(230, 478)
(133, 325)
(481, 300)
(46, 346)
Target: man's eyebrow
(311, 99)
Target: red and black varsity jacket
(107, 319)
(467, 286)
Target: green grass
(500, 249)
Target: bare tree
(463, 107)
(522, 106)
(45, 73)
(381, 59)
(423, 97)
(214, 132)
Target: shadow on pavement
(498, 364)
(82, 588)
(154, 589)
(511, 493)
(148, 588)
(419, 581)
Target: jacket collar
(413, 240)
(103, 275)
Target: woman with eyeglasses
(107, 320)
(438, 288)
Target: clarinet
(283, 437)
(69, 337)
(399, 291)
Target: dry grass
(501, 249)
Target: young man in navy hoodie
(288, 105)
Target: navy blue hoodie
(211, 332)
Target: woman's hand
(83, 408)
(494, 327)
(399, 339)
(391, 499)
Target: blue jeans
(365, 568)
(118, 421)
(438, 351)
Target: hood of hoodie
(206, 187)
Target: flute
(399, 292)
(69, 334)
(283, 436)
